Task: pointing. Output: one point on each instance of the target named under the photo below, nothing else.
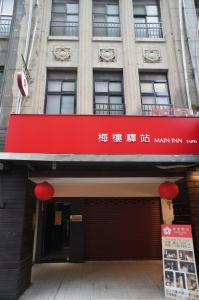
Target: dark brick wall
(16, 235)
(3, 133)
(181, 205)
(186, 207)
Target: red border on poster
(177, 231)
(83, 134)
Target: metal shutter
(119, 229)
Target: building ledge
(63, 38)
(4, 37)
(102, 158)
(106, 39)
(150, 40)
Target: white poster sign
(180, 275)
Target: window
(106, 20)
(65, 18)
(61, 92)
(6, 11)
(154, 92)
(108, 94)
(147, 19)
(1, 76)
(197, 8)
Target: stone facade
(86, 53)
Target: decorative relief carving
(151, 55)
(62, 53)
(107, 55)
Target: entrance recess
(56, 232)
(120, 229)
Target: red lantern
(168, 190)
(44, 191)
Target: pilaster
(85, 72)
(130, 71)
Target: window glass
(58, 28)
(54, 86)
(59, 18)
(153, 20)
(152, 10)
(115, 87)
(161, 88)
(100, 9)
(53, 104)
(153, 77)
(101, 99)
(160, 77)
(7, 7)
(72, 8)
(112, 10)
(101, 87)
(68, 105)
(162, 100)
(148, 100)
(113, 19)
(115, 100)
(1, 75)
(72, 18)
(68, 86)
(100, 18)
(140, 20)
(147, 88)
(58, 8)
(139, 10)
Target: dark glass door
(56, 232)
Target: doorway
(56, 232)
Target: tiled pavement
(128, 280)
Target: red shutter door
(117, 229)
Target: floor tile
(128, 280)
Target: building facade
(95, 67)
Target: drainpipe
(184, 55)
(33, 39)
(25, 54)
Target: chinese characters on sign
(180, 275)
(141, 138)
(119, 138)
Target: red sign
(22, 84)
(80, 134)
(177, 231)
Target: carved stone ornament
(62, 53)
(151, 55)
(107, 55)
